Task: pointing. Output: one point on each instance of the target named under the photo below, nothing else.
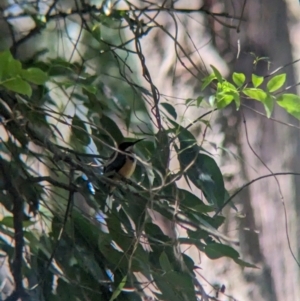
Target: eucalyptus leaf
(79, 131)
(217, 250)
(170, 109)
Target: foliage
(268, 96)
(59, 117)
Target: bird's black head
(126, 146)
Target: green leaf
(64, 290)
(9, 67)
(238, 78)
(245, 264)
(189, 149)
(191, 201)
(224, 101)
(164, 262)
(14, 68)
(276, 82)
(90, 88)
(206, 175)
(161, 154)
(216, 250)
(269, 105)
(291, 103)
(118, 290)
(217, 73)
(226, 92)
(115, 257)
(110, 126)
(188, 101)
(18, 85)
(8, 221)
(170, 109)
(5, 57)
(88, 261)
(182, 283)
(199, 100)
(256, 94)
(257, 80)
(155, 232)
(35, 76)
(207, 80)
(96, 32)
(211, 180)
(166, 288)
(237, 100)
(79, 130)
(117, 234)
(175, 286)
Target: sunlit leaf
(207, 80)
(118, 290)
(269, 105)
(217, 73)
(238, 78)
(257, 80)
(291, 103)
(225, 94)
(276, 82)
(237, 100)
(256, 94)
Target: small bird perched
(120, 163)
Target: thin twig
(18, 215)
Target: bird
(120, 163)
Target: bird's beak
(135, 142)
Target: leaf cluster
(273, 93)
(92, 254)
